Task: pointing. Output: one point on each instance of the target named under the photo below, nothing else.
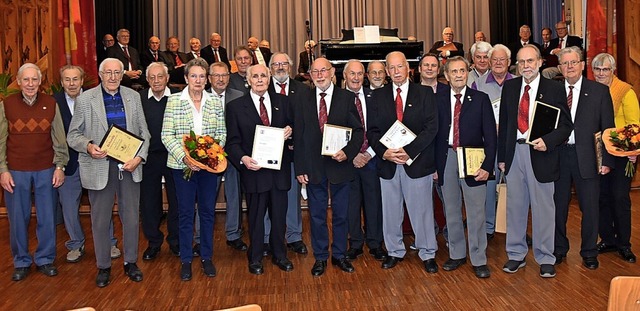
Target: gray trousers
(128, 193)
(417, 194)
(474, 198)
(523, 189)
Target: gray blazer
(89, 123)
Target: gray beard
(281, 79)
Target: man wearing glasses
(562, 41)
(446, 47)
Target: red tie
(523, 111)
(570, 98)
(126, 53)
(155, 56)
(560, 43)
(456, 122)
(365, 143)
(215, 55)
(263, 112)
(399, 107)
(322, 114)
(255, 58)
(283, 86)
(178, 60)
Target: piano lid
(338, 53)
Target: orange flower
(201, 153)
(209, 139)
(211, 153)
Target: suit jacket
(477, 128)
(308, 138)
(115, 51)
(303, 63)
(545, 164)
(266, 54)
(89, 123)
(190, 56)
(550, 60)
(176, 75)
(298, 91)
(101, 54)
(571, 41)
(207, 54)
(516, 46)
(237, 82)
(66, 115)
(439, 44)
(146, 58)
(242, 119)
(420, 116)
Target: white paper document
(268, 144)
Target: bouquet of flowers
(206, 151)
(623, 142)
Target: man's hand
(58, 178)
(604, 170)
(131, 165)
(95, 152)
(481, 175)
(133, 74)
(250, 163)
(287, 132)
(303, 179)
(435, 176)
(361, 159)
(339, 156)
(397, 156)
(632, 158)
(7, 182)
(539, 145)
(502, 166)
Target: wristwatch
(60, 168)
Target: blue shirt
(114, 108)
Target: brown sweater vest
(29, 144)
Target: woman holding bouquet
(615, 203)
(195, 110)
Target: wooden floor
(406, 287)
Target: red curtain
(76, 23)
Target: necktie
(263, 112)
(198, 54)
(399, 106)
(546, 45)
(570, 97)
(560, 43)
(126, 53)
(365, 143)
(523, 111)
(456, 122)
(178, 60)
(155, 56)
(215, 55)
(255, 58)
(322, 114)
(283, 87)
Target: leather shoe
(298, 247)
(512, 266)
(48, 270)
(590, 262)
(151, 253)
(343, 264)
(102, 279)
(175, 250)
(430, 265)
(547, 271)
(133, 272)
(378, 254)
(353, 253)
(318, 267)
(185, 271)
(196, 250)
(208, 268)
(237, 244)
(391, 262)
(559, 258)
(452, 264)
(266, 250)
(627, 255)
(256, 268)
(482, 272)
(20, 273)
(605, 248)
(284, 264)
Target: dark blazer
(303, 63)
(266, 54)
(550, 60)
(420, 116)
(146, 58)
(66, 115)
(176, 75)
(207, 54)
(115, 51)
(571, 41)
(101, 54)
(308, 138)
(439, 44)
(516, 46)
(545, 164)
(190, 56)
(237, 82)
(477, 128)
(242, 118)
(298, 91)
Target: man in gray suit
(96, 110)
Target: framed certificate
(268, 143)
(398, 136)
(120, 144)
(334, 138)
(469, 161)
(544, 120)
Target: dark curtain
(506, 18)
(134, 15)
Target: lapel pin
(540, 96)
(586, 94)
(368, 95)
(469, 97)
(292, 91)
(409, 104)
(276, 108)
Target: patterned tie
(255, 58)
(178, 60)
(283, 87)
(155, 56)
(560, 43)
(365, 143)
(126, 54)
(399, 110)
(322, 114)
(570, 97)
(263, 112)
(523, 111)
(215, 55)
(456, 122)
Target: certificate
(120, 144)
(544, 120)
(334, 138)
(469, 161)
(268, 143)
(398, 136)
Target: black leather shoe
(185, 271)
(298, 247)
(133, 272)
(266, 250)
(20, 273)
(547, 271)
(102, 279)
(627, 255)
(237, 244)
(256, 268)
(208, 268)
(48, 270)
(353, 253)
(284, 264)
(378, 254)
(430, 265)
(343, 264)
(512, 266)
(175, 250)
(452, 264)
(590, 262)
(196, 250)
(482, 272)
(391, 262)
(151, 253)
(318, 267)
(559, 258)
(605, 248)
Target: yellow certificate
(120, 144)
(469, 161)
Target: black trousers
(615, 206)
(365, 195)
(275, 202)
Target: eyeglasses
(499, 60)
(601, 69)
(448, 33)
(322, 71)
(216, 76)
(280, 64)
(572, 63)
(116, 73)
(194, 76)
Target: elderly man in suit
(550, 60)
(447, 47)
(376, 75)
(194, 52)
(326, 105)
(305, 59)
(480, 59)
(176, 60)
(238, 80)
(96, 110)
(214, 52)
(405, 172)
(591, 108)
(563, 40)
(465, 119)
(107, 41)
(260, 55)
(530, 169)
(152, 54)
(525, 38)
(265, 189)
(130, 57)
